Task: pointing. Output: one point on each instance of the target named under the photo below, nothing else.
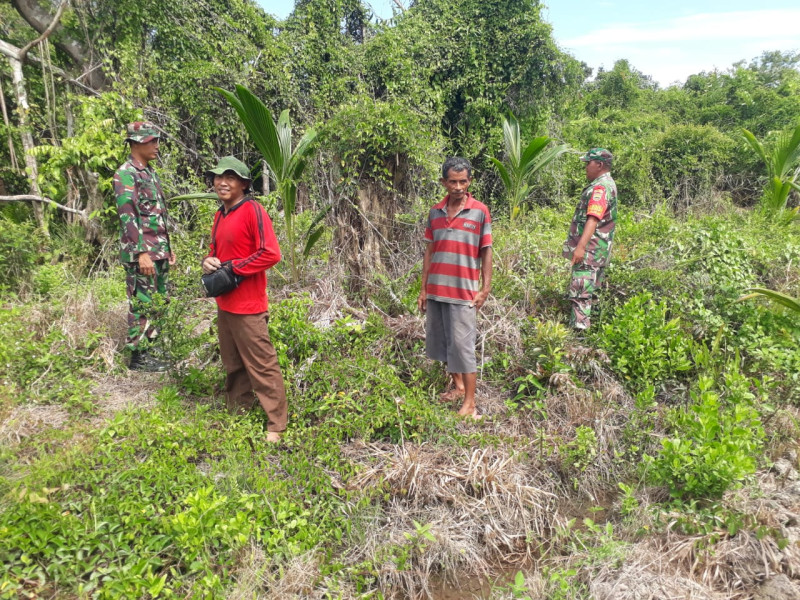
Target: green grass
(171, 499)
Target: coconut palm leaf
(522, 165)
(274, 141)
(786, 153)
(502, 171)
(780, 161)
(777, 297)
(756, 146)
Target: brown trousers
(251, 363)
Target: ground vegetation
(655, 456)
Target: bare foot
(470, 411)
(273, 437)
(451, 395)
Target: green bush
(712, 444)
(42, 363)
(688, 159)
(646, 346)
(19, 251)
(49, 278)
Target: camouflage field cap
(229, 163)
(600, 154)
(142, 132)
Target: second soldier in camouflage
(591, 235)
(145, 250)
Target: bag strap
(214, 231)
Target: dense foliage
(114, 485)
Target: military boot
(141, 360)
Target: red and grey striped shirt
(455, 270)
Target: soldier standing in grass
(145, 249)
(591, 235)
(458, 256)
(242, 240)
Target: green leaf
(312, 239)
(777, 297)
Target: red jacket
(244, 236)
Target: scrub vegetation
(654, 457)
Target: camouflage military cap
(600, 154)
(229, 163)
(142, 132)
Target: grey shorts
(450, 333)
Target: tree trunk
(11, 151)
(18, 79)
(366, 232)
(94, 203)
(39, 18)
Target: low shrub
(712, 443)
(644, 344)
(19, 251)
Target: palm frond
(502, 171)
(786, 153)
(756, 145)
(521, 165)
(777, 297)
(261, 128)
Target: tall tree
(16, 58)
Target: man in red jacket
(242, 239)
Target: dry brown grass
(483, 507)
(259, 576)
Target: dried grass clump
(114, 394)
(24, 421)
(645, 577)
(408, 561)
(262, 577)
(83, 313)
(483, 506)
(499, 327)
(329, 302)
(606, 410)
(407, 327)
(733, 566)
(78, 314)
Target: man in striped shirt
(456, 280)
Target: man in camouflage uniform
(145, 249)
(591, 234)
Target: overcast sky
(668, 41)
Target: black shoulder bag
(223, 280)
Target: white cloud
(739, 25)
(672, 49)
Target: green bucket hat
(229, 163)
(142, 132)
(600, 154)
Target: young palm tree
(523, 164)
(784, 157)
(274, 142)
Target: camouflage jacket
(142, 212)
(598, 199)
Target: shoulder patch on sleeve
(597, 203)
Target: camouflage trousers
(586, 280)
(141, 288)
